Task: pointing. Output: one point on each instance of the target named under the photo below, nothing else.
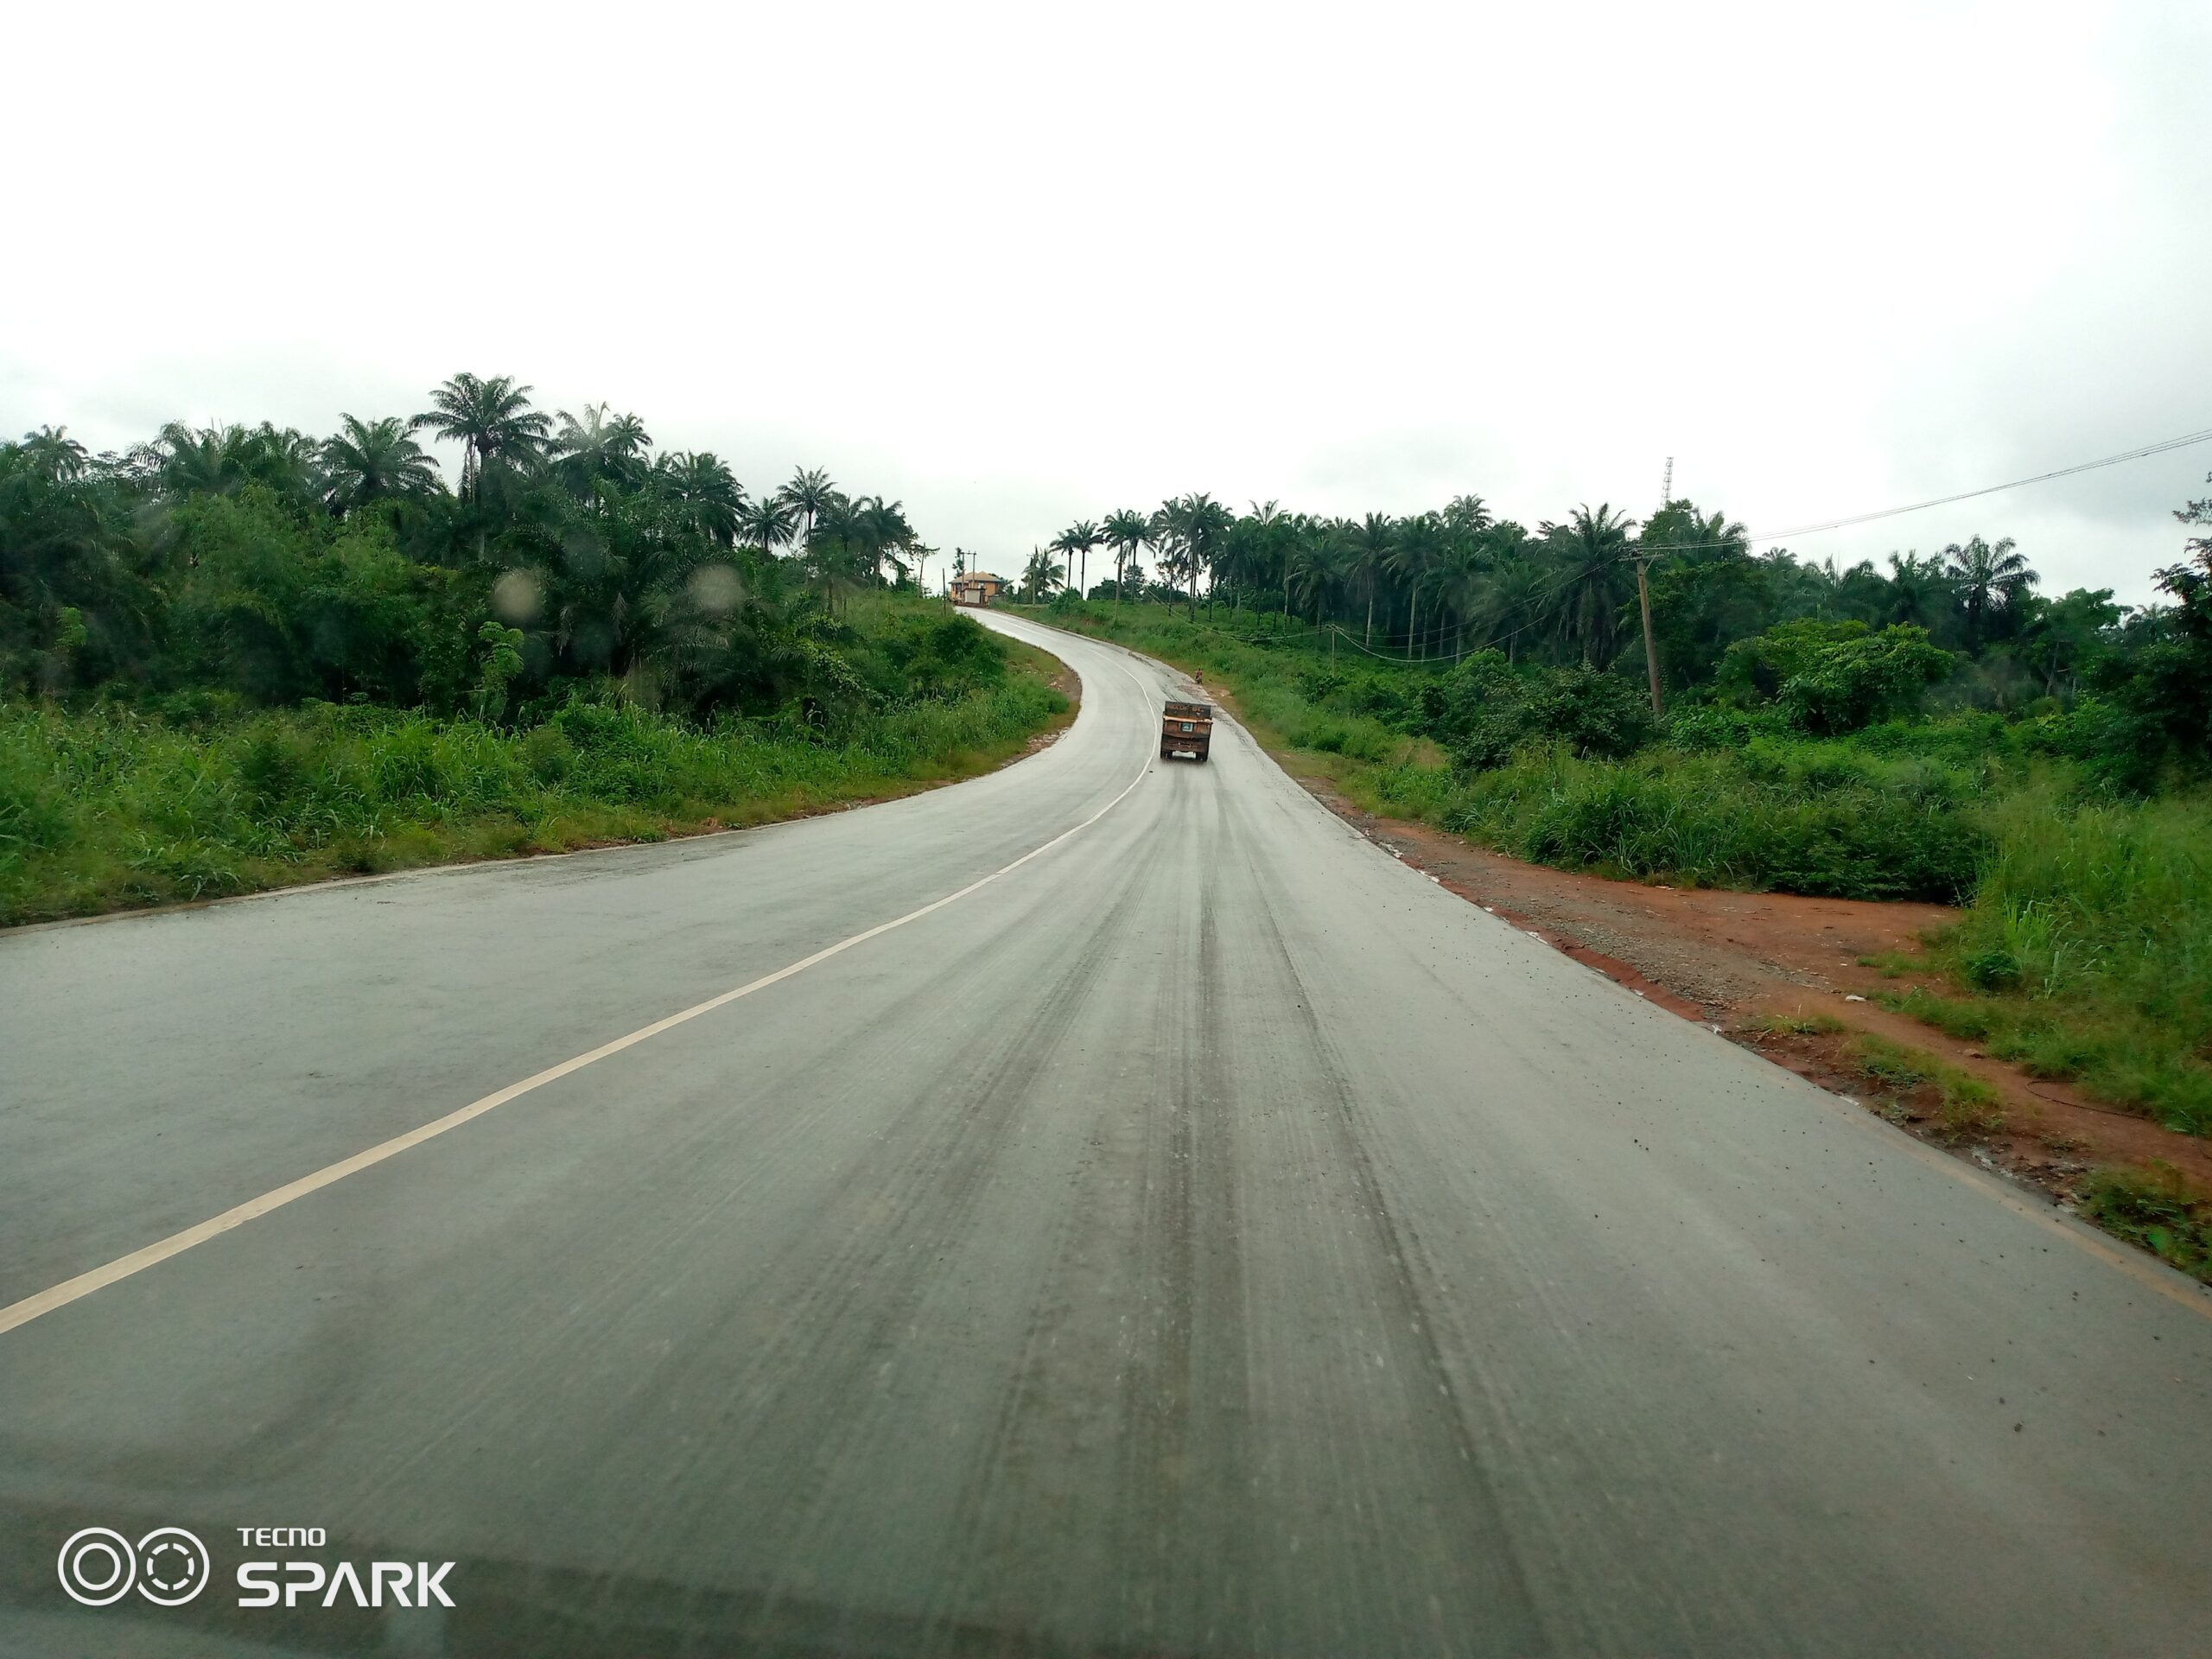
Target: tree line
(1441, 585)
(265, 563)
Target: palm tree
(1075, 542)
(1206, 525)
(769, 523)
(809, 492)
(201, 461)
(881, 527)
(923, 555)
(1467, 515)
(218, 461)
(1040, 577)
(595, 448)
(492, 420)
(1124, 531)
(1460, 582)
(1320, 564)
(828, 547)
(1259, 547)
(1594, 553)
(1412, 556)
(1509, 605)
(54, 453)
(286, 460)
(626, 598)
(1918, 590)
(712, 498)
(374, 460)
(1370, 543)
(1163, 535)
(1680, 530)
(1986, 578)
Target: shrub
(1851, 683)
(1705, 726)
(1722, 820)
(106, 806)
(2090, 926)
(1490, 711)
(2154, 1208)
(1754, 671)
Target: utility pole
(1643, 598)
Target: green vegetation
(1793, 1025)
(2087, 952)
(2156, 1209)
(1941, 731)
(234, 658)
(109, 807)
(1964, 1105)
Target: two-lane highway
(1185, 1230)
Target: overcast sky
(1017, 265)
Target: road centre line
(100, 1278)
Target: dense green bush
(1778, 818)
(1854, 683)
(112, 805)
(1488, 710)
(2157, 1209)
(1830, 677)
(1755, 669)
(2092, 924)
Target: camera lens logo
(170, 1566)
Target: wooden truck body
(1186, 728)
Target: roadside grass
(2087, 952)
(1907, 1083)
(1762, 819)
(1904, 1085)
(1917, 1084)
(2155, 1210)
(109, 808)
(1800, 1025)
(2083, 951)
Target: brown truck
(1186, 728)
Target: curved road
(1206, 1235)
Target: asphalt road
(1207, 1237)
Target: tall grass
(1769, 818)
(2089, 942)
(109, 807)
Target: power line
(1646, 549)
(2157, 449)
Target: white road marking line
(122, 1267)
